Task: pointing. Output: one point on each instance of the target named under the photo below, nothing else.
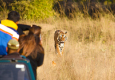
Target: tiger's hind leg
(56, 49)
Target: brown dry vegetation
(89, 51)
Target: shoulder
(9, 31)
(13, 55)
(9, 23)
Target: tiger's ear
(66, 32)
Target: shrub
(37, 9)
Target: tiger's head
(61, 38)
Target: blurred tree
(93, 1)
(113, 1)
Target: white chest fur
(61, 45)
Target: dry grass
(94, 61)
(89, 51)
(81, 61)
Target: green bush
(35, 10)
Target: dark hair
(31, 42)
(14, 16)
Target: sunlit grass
(89, 51)
(84, 58)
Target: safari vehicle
(15, 69)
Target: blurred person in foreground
(12, 22)
(8, 30)
(30, 46)
(13, 46)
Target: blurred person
(30, 46)
(8, 30)
(6, 34)
(13, 46)
(12, 22)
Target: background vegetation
(43, 9)
(89, 51)
(29, 9)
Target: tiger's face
(61, 37)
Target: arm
(40, 59)
(23, 27)
(20, 31)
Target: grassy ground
(89, 51)
(83, 59)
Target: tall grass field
(89, 52)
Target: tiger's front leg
(58, 49)
(61, 47)
(62, 51)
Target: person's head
(14, 16)
(36, 32)
(31, 42)
(13, 46)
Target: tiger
(59, 40)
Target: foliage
(41, 9)
(3, 9)
(37, 9)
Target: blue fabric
(5, 36)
